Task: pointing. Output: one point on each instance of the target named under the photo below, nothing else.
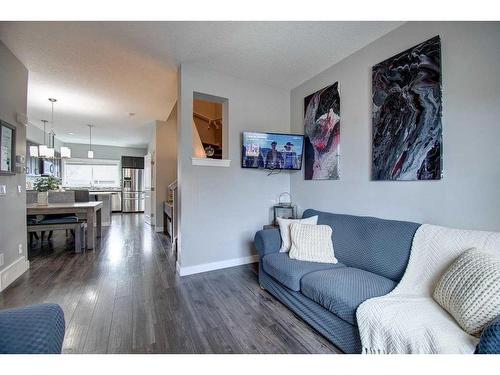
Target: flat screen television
(272, 150)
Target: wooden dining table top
(34, 207)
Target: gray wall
(222, 208)
(468, 195)
(165, 161)
(162, 147)
(79, 150)
(13, 100)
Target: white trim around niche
(208, 162)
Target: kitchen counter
(94, 189)
(114, 195)
(105, 198)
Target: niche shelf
(207, 162)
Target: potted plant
(43, 185)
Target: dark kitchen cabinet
(132, 162)
(127, 162)
(139, 163)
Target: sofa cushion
(470, 290)
(289, 271)
(59, 219)
(36, 329)
(342, 290)
(285, 230)
(369, 243)
(312, 243)
(31, 220)
(489, 342)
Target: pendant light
(65, 152)
(43, 149)
(90, 153)
(47, 150)
(34, 151)
(50, 143)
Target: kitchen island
(105, 198)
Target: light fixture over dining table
(47, 149)
(90, 153)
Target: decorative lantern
(284, 209)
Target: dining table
(89, 211)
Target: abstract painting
(322, 134)
(406, 115)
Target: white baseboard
(10, 273)
(158, 229)
(184, 271)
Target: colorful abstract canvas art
(322, 134)
(406, 115)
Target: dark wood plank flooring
(126, 298)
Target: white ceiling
(102, 71)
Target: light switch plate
(1, 260)
(3, 189)
(20, 247)
(19, 189)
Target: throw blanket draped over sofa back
(408, 320)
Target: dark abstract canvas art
(322, 134)
(406, 115)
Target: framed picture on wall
(406, 115)
(322, 134)
(7, 148)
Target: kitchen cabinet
(132, 162)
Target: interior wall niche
(209, 126)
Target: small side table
(270, 226)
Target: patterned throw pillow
(285, 230)
(470, 290)
(312, 243)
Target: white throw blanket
(408, 320)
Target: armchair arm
(36, 329)
(267, 241)
(489, 343)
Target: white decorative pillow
(284, 225)
(312, 243)
(470, 290)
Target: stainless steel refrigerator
(132, 190)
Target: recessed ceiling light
(71, 133)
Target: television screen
(272, 150)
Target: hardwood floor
(126, 298)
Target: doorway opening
(209, 126)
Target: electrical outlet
(20, 247)
(19, 189)
(3, 189)
(1, 260)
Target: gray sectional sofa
(372, 254)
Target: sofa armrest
(489, 343)
(36, 329)
(267, 241)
